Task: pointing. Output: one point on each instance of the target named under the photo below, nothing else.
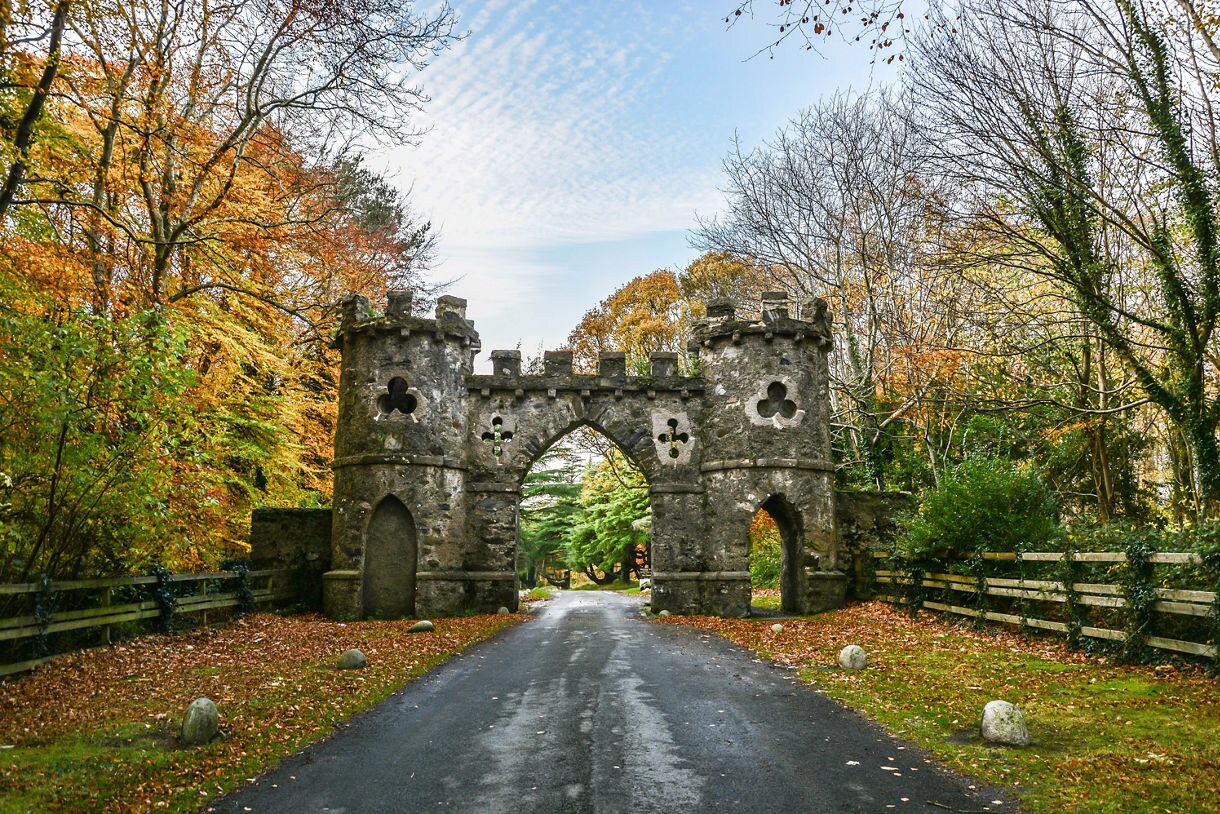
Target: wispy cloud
(580, 123)
(548, 124)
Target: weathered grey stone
(777, 628)
(422, 626)
(352, 660)
(853, 657)
(429, 458)
(200, 723)
(297, 539)
(664, 613)
(1003, 723)
(502, 610)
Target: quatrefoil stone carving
(497, 436)
(672, 437)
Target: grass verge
(98, 730)
(1107, 738)
(537, 594)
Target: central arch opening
(585, 515)
(775, 543)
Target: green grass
(771, 603)
(538, 594)
(1096, 735)
(616, 586)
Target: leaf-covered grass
(1106, 738)
(98, 730)
(616, 586)
(537, 594)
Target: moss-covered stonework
(417, 426)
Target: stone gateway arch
(430, 458)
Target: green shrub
(983, 504)
(766, 552)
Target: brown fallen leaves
(878, 627)
(272, 677)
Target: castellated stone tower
(766, 444)
(399, 499)
(430, 459)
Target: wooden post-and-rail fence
(1070, 593)
(93, 606)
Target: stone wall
(867, 522)
(298, 539)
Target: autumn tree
(836, 205)
(657, 311)
(1083, 137)
(643, 316)
(195, 172)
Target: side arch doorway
(788, 522)
(389, 562)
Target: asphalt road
(590, 708)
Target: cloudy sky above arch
(571, 143)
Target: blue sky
(571, 144)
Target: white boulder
(853, 657)
(1003, 723)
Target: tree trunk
(1206, 451)
(24, 136)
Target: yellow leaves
(641, 317)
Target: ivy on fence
(44, 606)
(1068, 573)
(977, 567)
(163, 594)
(243, 591)
(1139, 589)
(1132, 598)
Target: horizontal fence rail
(935, 589)
(265, 587)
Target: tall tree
(836, 205)
(550, 512)
(1083, 135)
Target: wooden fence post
(106, 604)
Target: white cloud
(544, 129)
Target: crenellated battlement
(612, 375)
(723, 325)
(448, 323)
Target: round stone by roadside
(1003, 723)
(352, 660)
(200, 723)
(853, 657)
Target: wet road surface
(590, 708)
